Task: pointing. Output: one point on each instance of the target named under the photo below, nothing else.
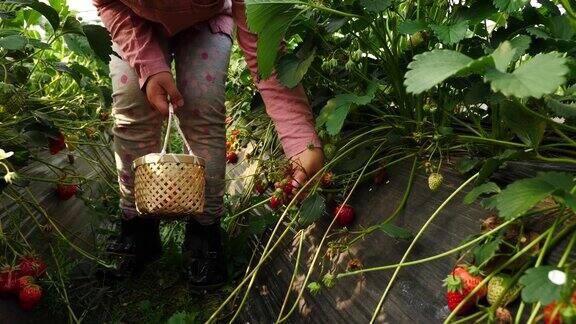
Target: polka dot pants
(201, 59)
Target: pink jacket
(135, 26)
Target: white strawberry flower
(557, 277)
(4, 155)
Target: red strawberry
(56, 145)
(380, 177)
(275, 202)
(552, 312)
(456, 292)
(9, 280)
(471, 278)
(25, 281)
(66, 191)
(259, 187)
(344, 215)
(30, 297)
(288, 187)
(32, 266)
(231, 157)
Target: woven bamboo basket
(169, 186)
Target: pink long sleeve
(288, 108)
(136, 37)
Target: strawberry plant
(471, 86)
(466, 85)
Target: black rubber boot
(204, 266)
(137, 245)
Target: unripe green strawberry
(329, 151)
(501, 290)
(435, 181)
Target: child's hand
(306, 164)
(158, 87)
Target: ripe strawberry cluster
(283, 193)
(21, 281)
(231, 147)
(501, 290)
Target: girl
(196, 34)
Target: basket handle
(173, 118)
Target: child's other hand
(158, 87)
(306, 164)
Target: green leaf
(492, 164)
(510, 5)
(451, 34)
(561, 109)
(560, 180)
(182, 318)
(395, 231)
(467, 164)
(63, 67)
(569, 200)
(100, 41)
(270, 19)
(541, 75)
(72, 26)
(291, 69)
(335, 111)
(411, 26)
(529, 128)
(486, 251)
(375, 5)
(78, 44)
(313, 207)
(486, 188)
(258, 224)
(430, 68)
(538, 32)
(520, 196)
(509, 51)
(560, 27)
(538, 287)
(44, 9)
(13, 42)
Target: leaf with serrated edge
(537, 286)
(270, 20)
(541, 75)
(313, 207)
(485, 251)
(13, 42)
(486, 188)
(522, 195)
(561, 109)
(509, 51)
(375, 5)
(431, 68)
(510, 5)
(411, 26)
(451, 34)
(395, 231)
(292, 69)
(334, 113)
